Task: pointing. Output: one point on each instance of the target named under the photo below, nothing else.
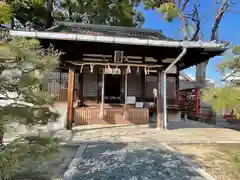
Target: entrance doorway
(112, 88)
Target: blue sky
(229, 30)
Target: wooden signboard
(112, 71)
(131, 100)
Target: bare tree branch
(196, 19)
(185, 3)
(183, 19)
(222, 9)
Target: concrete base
(174, 116)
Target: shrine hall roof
(143, 42)
(104, 30)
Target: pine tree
(22, 69)
(41, 14)
(5, 13)
(227, 97)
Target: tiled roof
(233, 76)
(104, 30)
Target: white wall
(186, 84)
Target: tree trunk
(69, 10)
(49, 8)
(201, 68)
(201, 74)
(1, 138)
(222, 9)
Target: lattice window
(171, 87)
(151, 83)
(90, 87)
(134, 83)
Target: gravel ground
(128, 161)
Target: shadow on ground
(105, 161)
(190, 124)
(53, 168)
(115, 161)
(173, 125)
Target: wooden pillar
(177, 85)
(60, 78)
(126, 86)
(71, 76)
(197, 102)
(143, 82)
(101, 116)
(98, 89)
(142, 86)
(60, 84)
(80, 86)
(159, 99)
(125, 111)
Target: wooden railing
(113, 115)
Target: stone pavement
(137, 152)
(134, 152)
(128, 161)
(131, 133)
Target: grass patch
(222, 161)
(232, 152)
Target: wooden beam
(103, 63)
(71, 76)
(159, 99)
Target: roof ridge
(185, 75)
(101, 26)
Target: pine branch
(22, 74)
